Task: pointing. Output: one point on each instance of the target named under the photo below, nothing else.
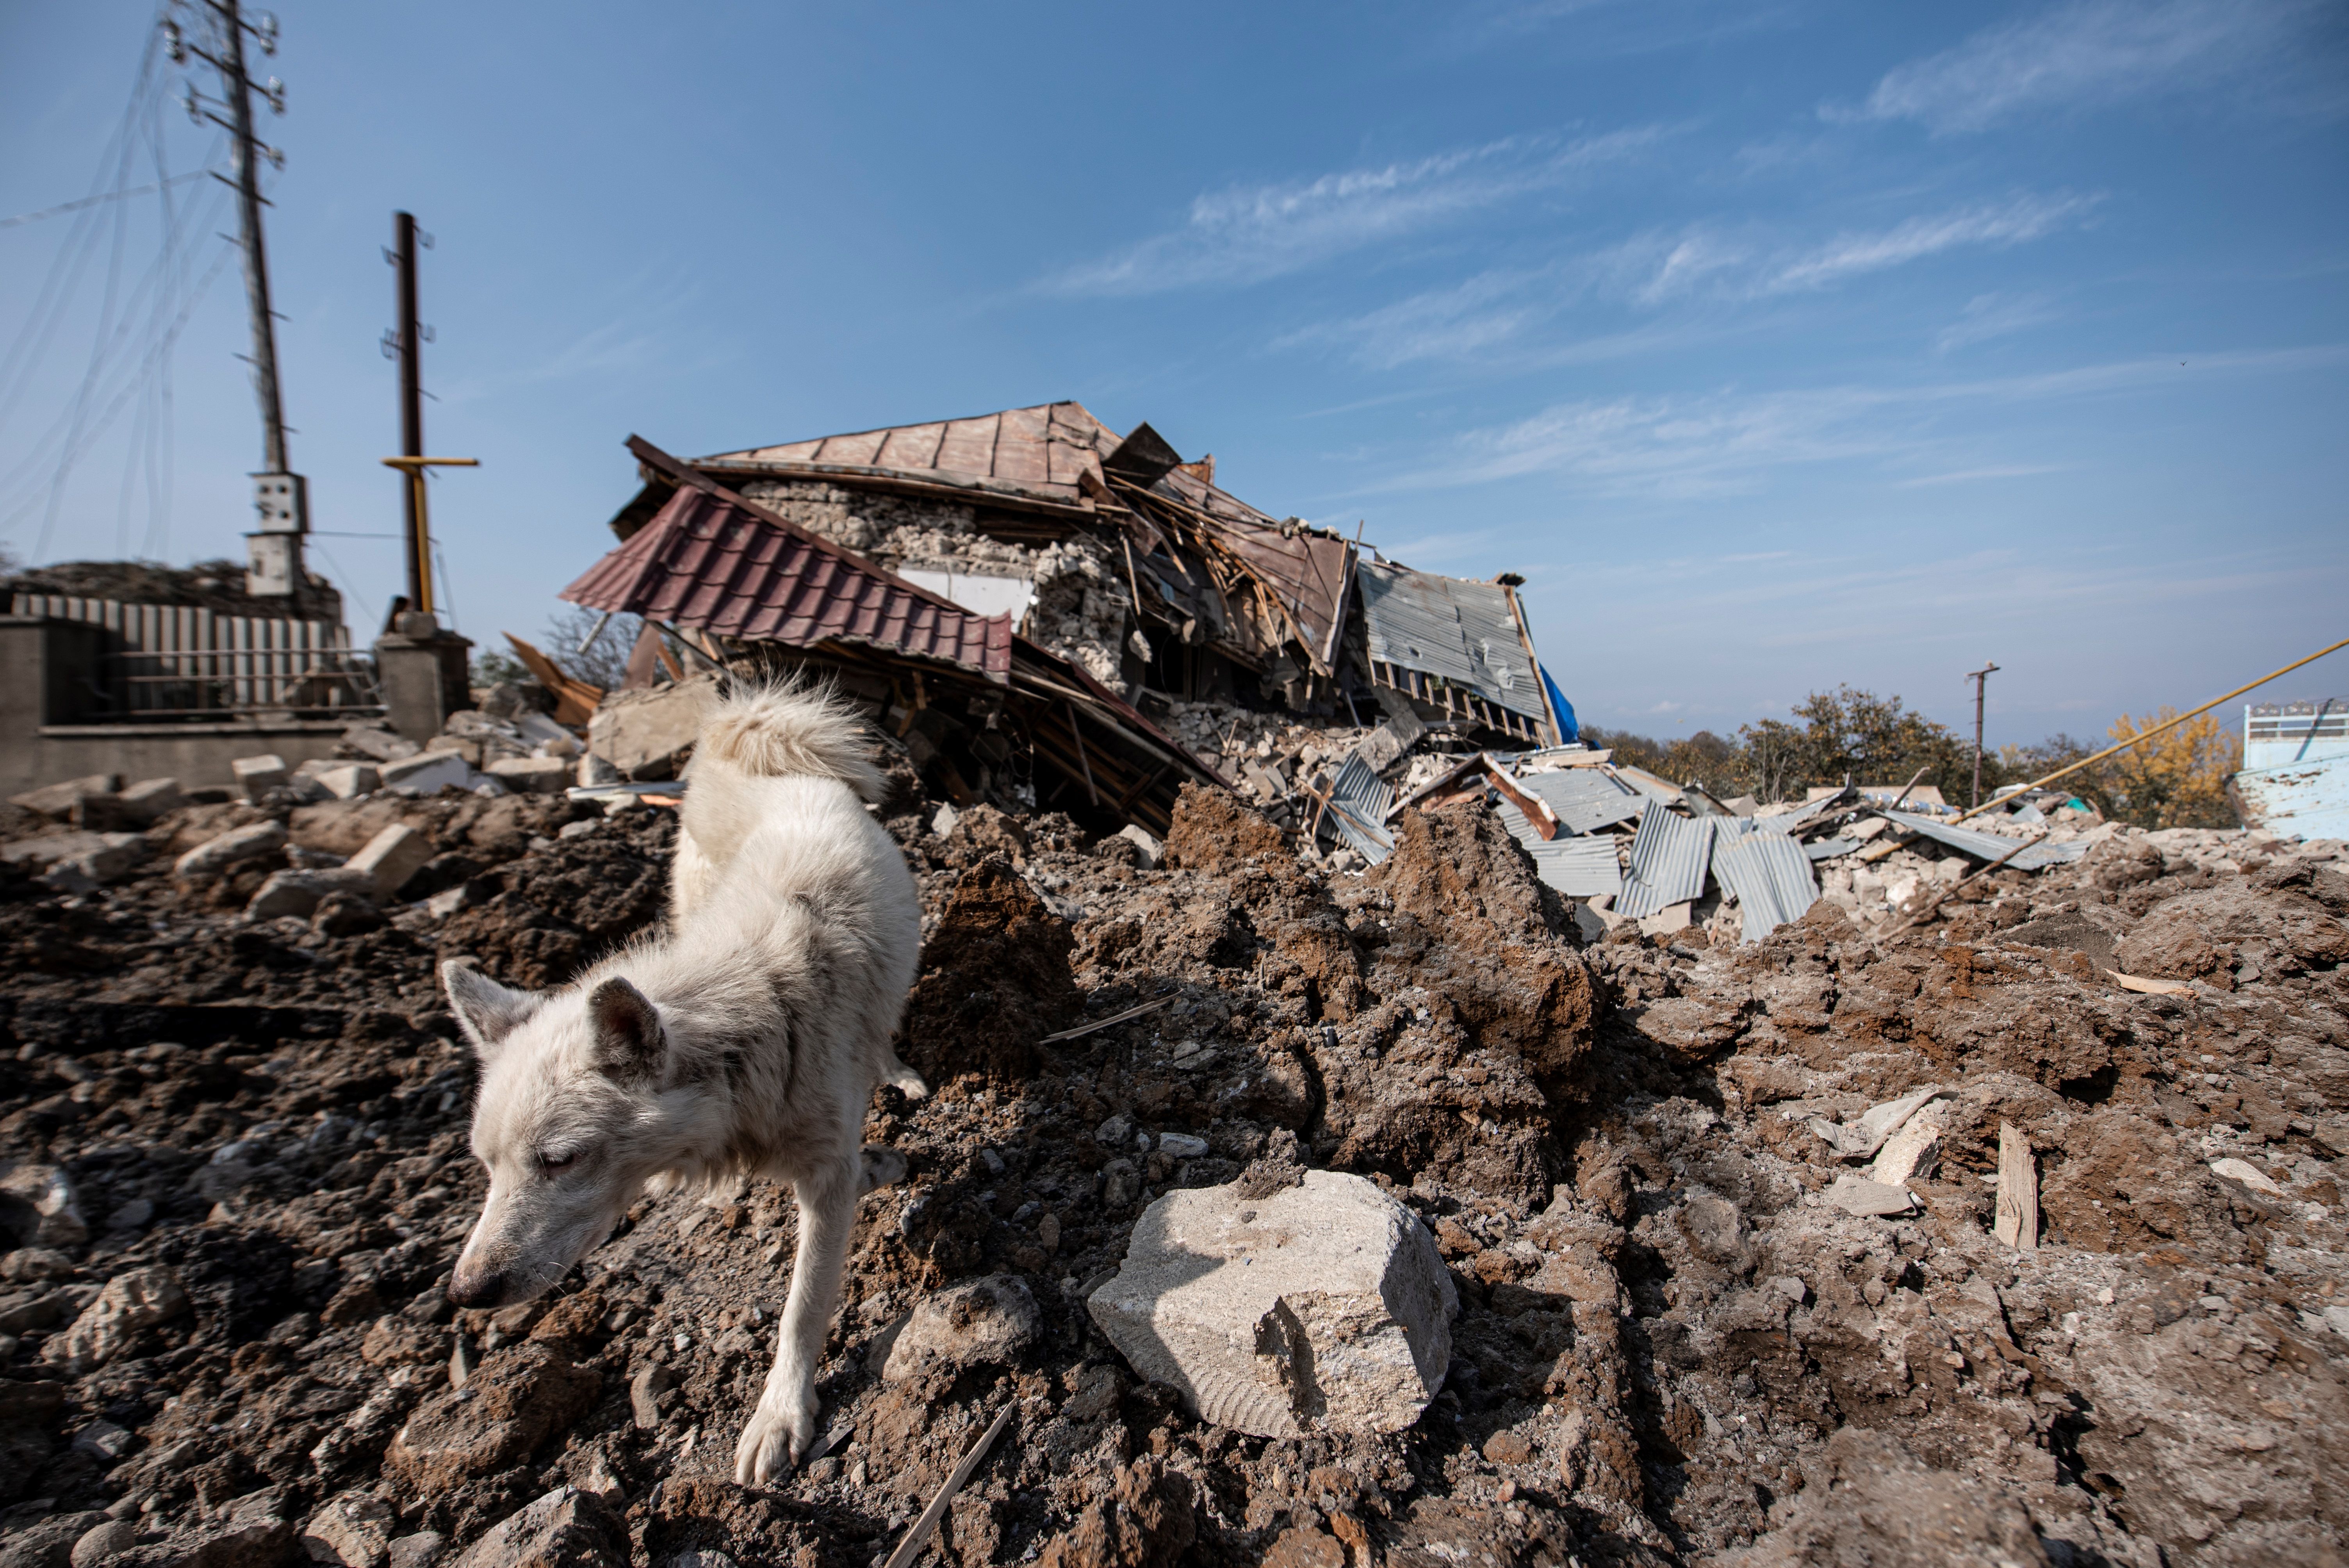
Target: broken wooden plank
(2150, 987)
(2017, 1223)
(1083, 1029)
(919, 1536)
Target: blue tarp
(1569, 730)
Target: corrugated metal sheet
(2301, 800)
(1461, 632)
(1358, 802)
(708, 564)
(1667, 862)
(1584, 798)
(1989, 846)
(1581, 867)
(1828, 848)
(1771, 878)
(1783, 824)
(1043, 450)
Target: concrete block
(988, 1322)
(1318, 1307)
(594, 770)
(467, 747)
(107, 861)
(390, 858)
(150, 799)
(298, 892)
(377, 746)
(532, 774)
(256, 776)
(645, 734)
(210, 859)
(57, 800)
(348, 780)
(427, 773)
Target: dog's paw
(883, 1166)
(772, 1442)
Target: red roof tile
(706, 563)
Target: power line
(147, 189)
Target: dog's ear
(486, 1011)
(629, 1042)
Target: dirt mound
(1674, 1343)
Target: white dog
(747, 1042)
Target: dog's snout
(470, 1289)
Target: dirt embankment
(1673, 1345)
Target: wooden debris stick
(2017, 1223)
(1942, 897)
(2149, 987)
(1897, 799)
(919, 1536)
(1085, 1029)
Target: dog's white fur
(747, 1042)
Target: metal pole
(1980, 678)
(411, 415)
(256, 261)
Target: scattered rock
(57, 802)
(390, 858)
(515, 1400)
(299, 892)
(646, 733)
(103, 1542)
(987, 1321)
(353, 1530)
(1324, 1306)
(39, 1208)
(257, 775)
(209, 860)
(567, 1528)
(129, 1304)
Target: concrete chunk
(1858, 1195)
(130, 1304)
(1323, 1306)
(105, 861)
(644, 733)
(348, 780)
(57, 800)
(298, 892)
(988, 1322)
(532, 774)
(256, 776)
(149, 799)
(566, 1526)
(390, 858)
(210, 859)
(377, 746)
(428, 772)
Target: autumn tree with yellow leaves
(2176, 780)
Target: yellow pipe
(2149, 734)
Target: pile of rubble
(1270, 1206)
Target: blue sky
(1778, 345)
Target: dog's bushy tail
(777, 730)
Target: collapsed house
(1028, 599)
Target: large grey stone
(258, 840)
(987, 1322)
(149, 799)
(298, 892)
(390, 858)
(57, 800)
(1323, 1306)
(426, 773)
(353, 1530)
(130, 1304)
(40, 1208)
(256, 776)
(377, 746)
(567, 1528)
(642, 733)
(533, 775)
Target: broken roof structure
(1083, 574)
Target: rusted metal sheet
(1047, 453)
(708, 563)
(1430, 636)
(2298, 801)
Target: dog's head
(570, 1121)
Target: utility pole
(411, 412)
(281, 496)
(1980, 678)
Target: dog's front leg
(782, 1428)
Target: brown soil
(1672, 1346)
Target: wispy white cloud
(1248, 233)
(2083, 55)
(1994, 316)
(1728, 442)
(1995, 225)
(1974, 475)
(1503, 311)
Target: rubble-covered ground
(242, 1176)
